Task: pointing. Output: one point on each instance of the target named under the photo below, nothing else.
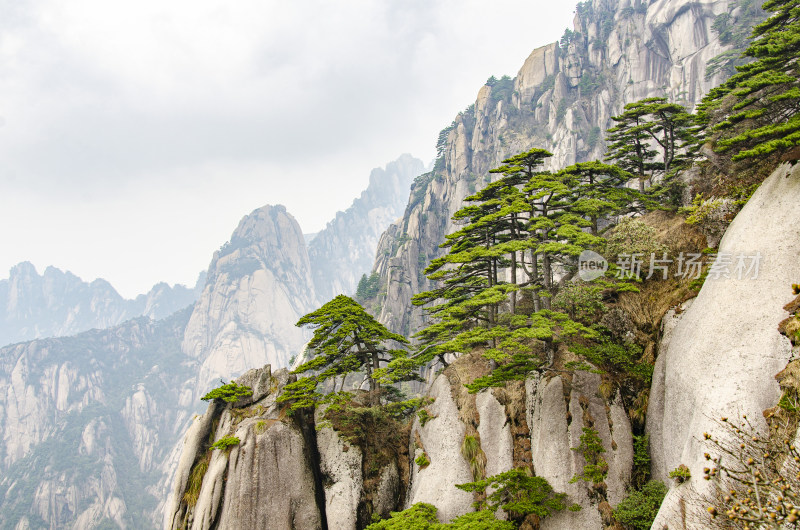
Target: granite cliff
(562, 100)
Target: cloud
(108, 103)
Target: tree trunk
(537, 300)
(514, 282)
(374, 385)
(548, 279)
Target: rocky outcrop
(561, 100)
(336, 480)
(440, 441)
(268, 479)
(723, 354)
(345, 249)
(341, 463)
(87, 424)
(558, 410)
(259, 285)
(57, 304)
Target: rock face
(259, 285)
(266, 480)
(343, 468)
(58, 304)
(440, 440)
(556, 419)
(561, 100)
(88, 422)
(724, 353)
(345, 249)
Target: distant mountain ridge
(87, 424)
(58, 303)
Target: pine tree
(755, 113)
(599, 190)
(346, 339)
(653, 137)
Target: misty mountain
(345, 249)
(88, 424)
(58, 303)
(91, 423)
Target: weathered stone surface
(265, 481)
(441, 440)
(269, 481)
(552, 439)
(260, 382)
(194, 441)
(556, 422)
(723, 355)
(388, 494)
(343, 468)
(495, 433)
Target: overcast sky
(135, 135)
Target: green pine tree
(346, 339)
(652, 138)
(755, 112)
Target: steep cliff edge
(344, 470)
(345, 248)
(561, 100)
(267, 478)
(722, 356)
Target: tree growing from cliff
(599, 190)
(757, 111)
(422, 516)
(229, 393)
(652, 137)
(532, 224)
(367, 287)
(519, 493)
(346, 340)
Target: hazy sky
(135, 135)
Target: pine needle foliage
(591, 447)
(653, 137)
(346, 339)
(756, 112)
(422, 516)
(229, 393)
(517, 492)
